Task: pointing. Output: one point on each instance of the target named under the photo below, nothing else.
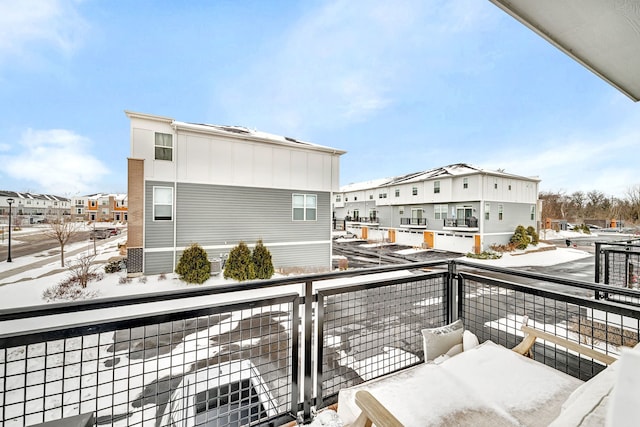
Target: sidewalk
(16, 267)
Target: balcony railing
(130, 361)
(369, 220)
(414, 221)
(461, 222)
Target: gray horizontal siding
(221, 215)
(300, 256)
(158, 262)
(157, 234)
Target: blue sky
(402, 86)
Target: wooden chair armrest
(373, 412)
(531, 334)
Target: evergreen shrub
(194, 266)
(262, 262)
(239, 265)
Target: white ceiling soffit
(602, 35)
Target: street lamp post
(10, 201)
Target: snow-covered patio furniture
(490, 385)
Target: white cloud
(345, 62)
(56, 160)
(577, 163)
(54, 23)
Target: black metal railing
(461, 222)
(272, 351)
(414, 221)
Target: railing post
(451, 292)
(308, 342)
(597, 270)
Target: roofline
(213, 129)
(510, 10)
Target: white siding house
(219, 185)
(459, 208)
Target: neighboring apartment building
(458, 208)
(33, 208)
(219, 185)
(103, 207)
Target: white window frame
(465, 183)
(414, 191)
(500, 212)
(397, 192)
(309, 204)
(338, 198)
(440, 211)
(487, 211)
(162, 147)
(155, 196)
(533, 212)
(436, 187)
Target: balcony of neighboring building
(461, 224)
(414, 222)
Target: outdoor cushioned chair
(490, 385)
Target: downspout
(481, 210)
(175, 199)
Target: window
(162, 203)
(414, 191)
(401, 210)
(487, 210)
(500, 210)
(440, 211)
(346, 199)
(533, 212)
(397, 193)
(355, 198)
(370, 196)
(382, 195)
(465, 182)
(495, 184)
(164, 146)
(436, 186)
(304, 207)
(338, 198)
(509, 187)
(79, 211)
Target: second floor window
(164, 146)
(436, 186)
(338, 198)
(500, 210)
(440, 211)
(465, 182)
(397, 193)
(304, 207)
(414, 191)
(487, 210)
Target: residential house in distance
(101, 207)
(458, 208)
(30, 208)
(219, 185)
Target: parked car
(114, 231)
(227, 394)
(593, 227)
(99, 233)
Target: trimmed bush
(194, 266)
(520, 238)
(239, 265)
(262, 263)
(531, 232)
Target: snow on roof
(457, 169)
(252, 133)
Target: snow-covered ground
(42, 270)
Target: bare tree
(82, 270)
(61, 231)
